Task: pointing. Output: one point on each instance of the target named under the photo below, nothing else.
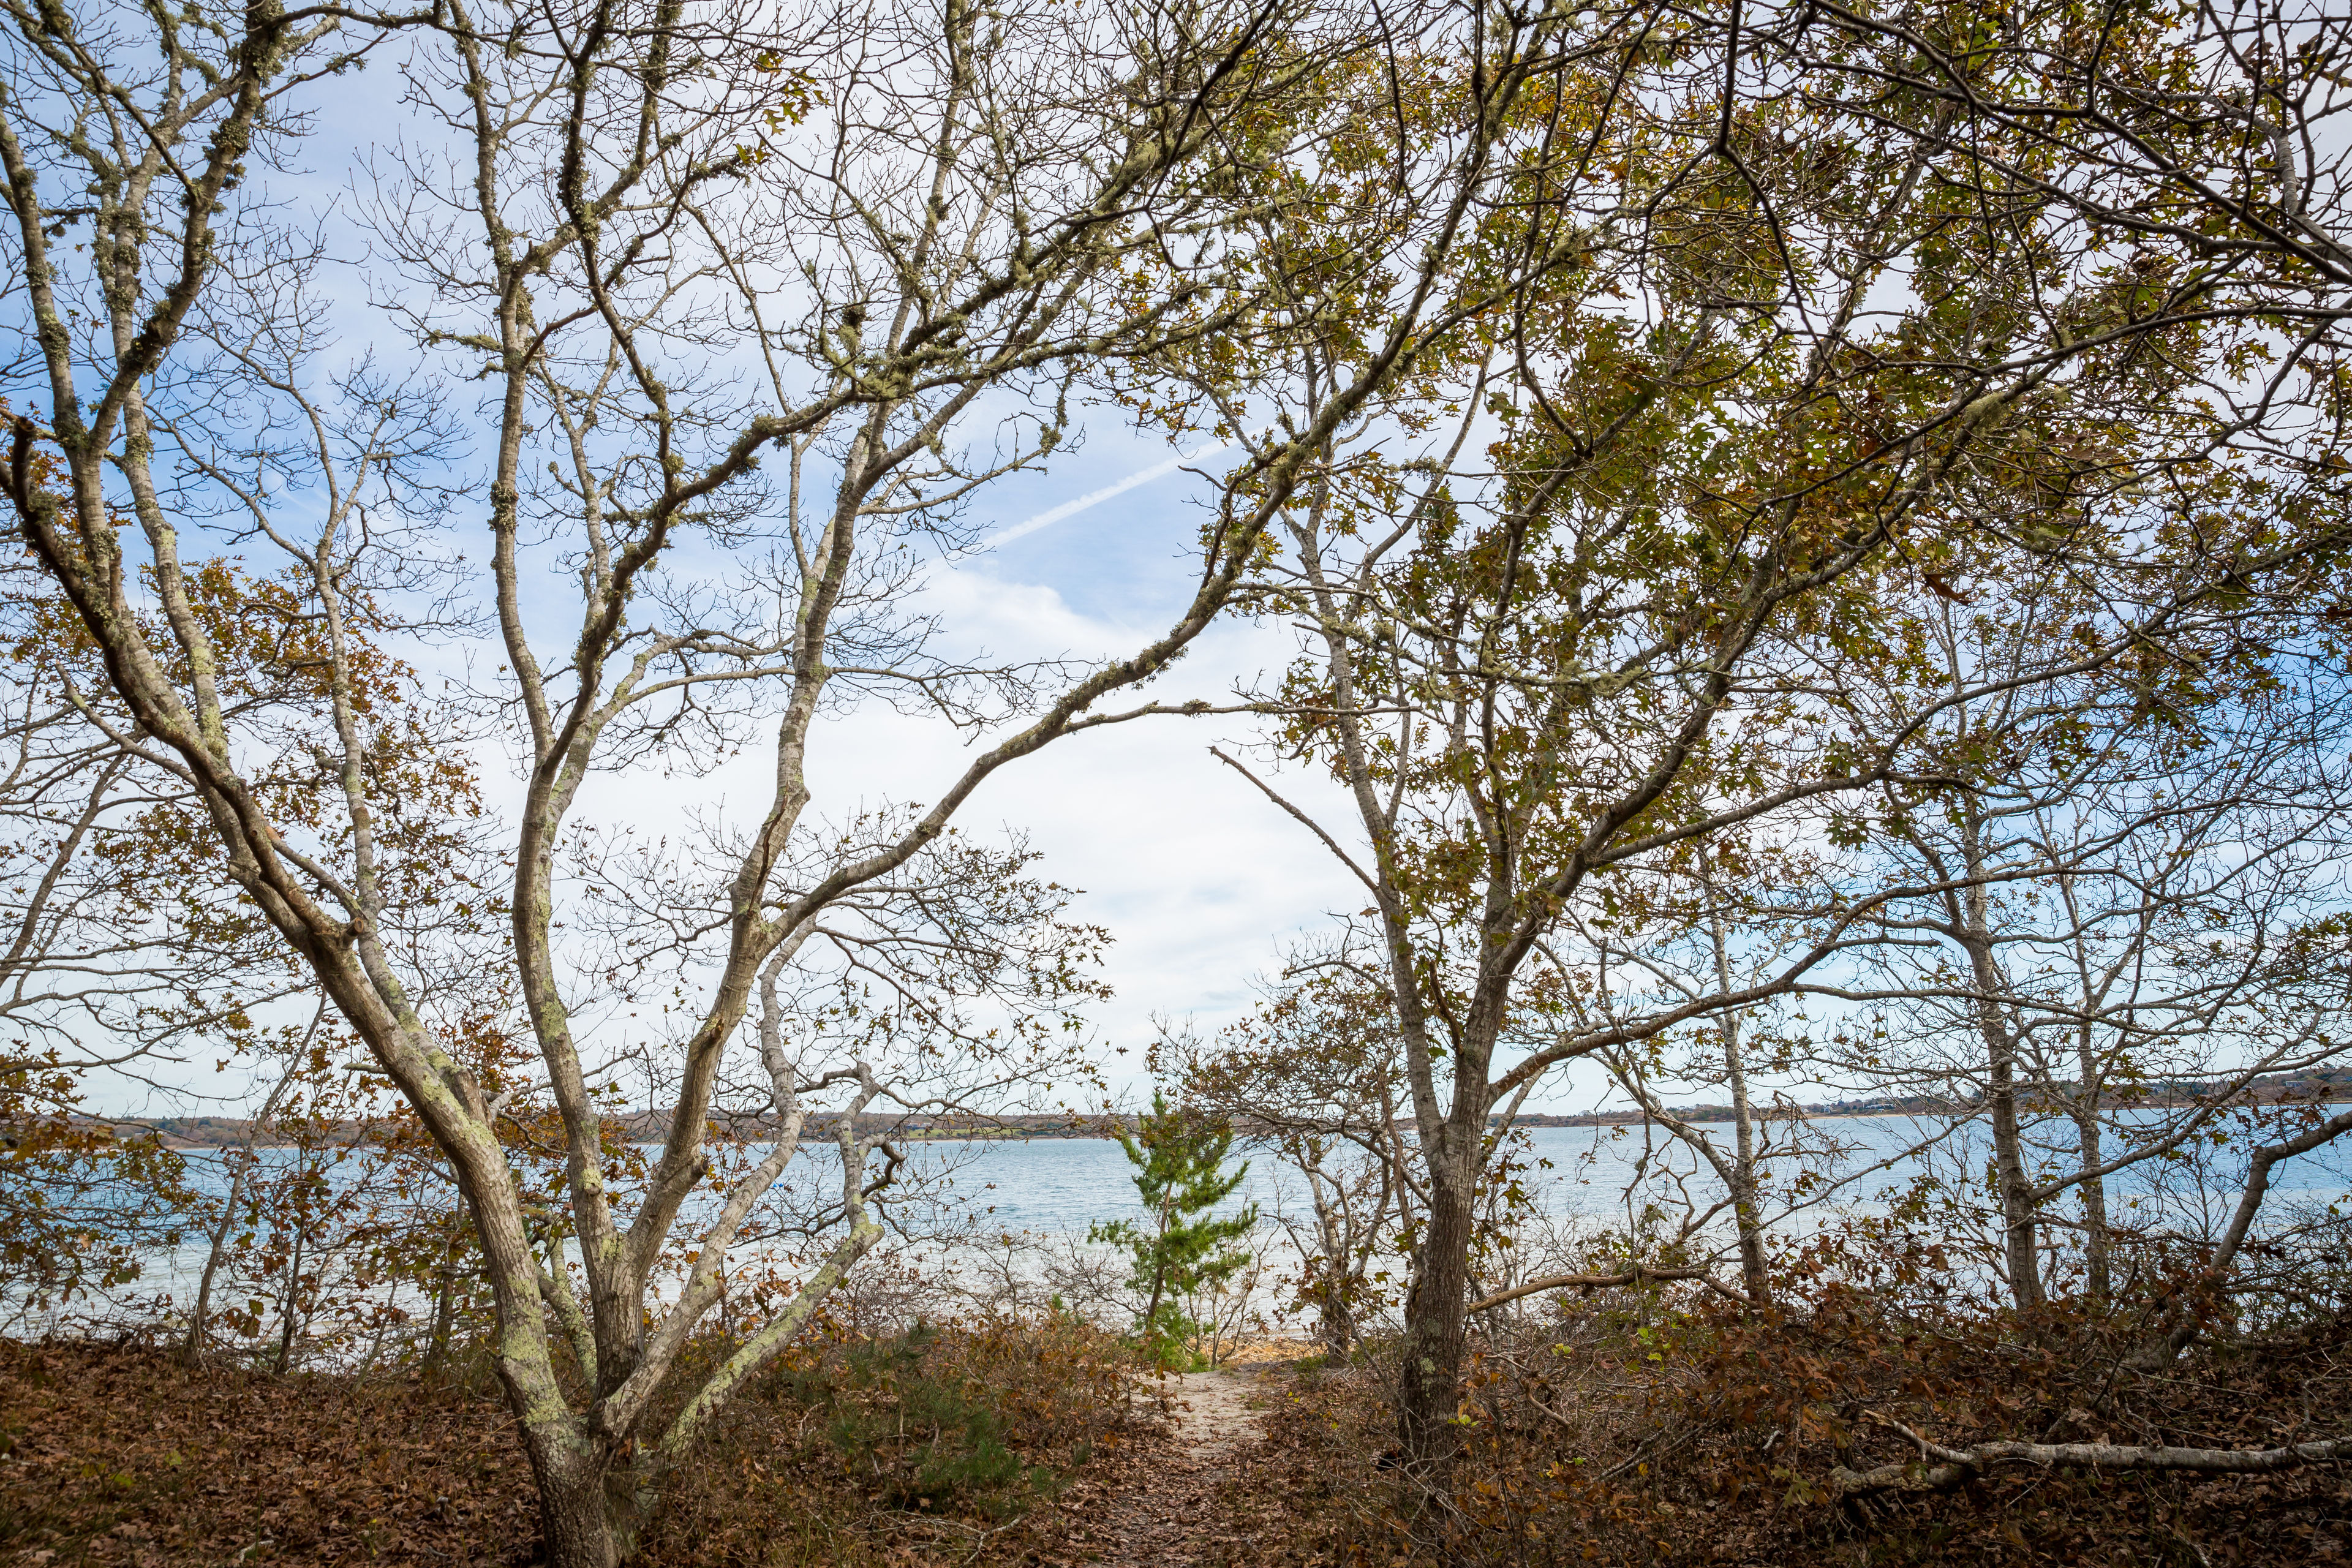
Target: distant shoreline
(197, 1132)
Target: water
(1061, 1186)
(1005, 1214)
(1018, 1211)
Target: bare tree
(670, 244)
(2138, 874)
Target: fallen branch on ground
(1955, 1466)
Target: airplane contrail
(1053, 515)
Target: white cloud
(1202, 881)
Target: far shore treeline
(2324, 1086)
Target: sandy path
(1167, 1520)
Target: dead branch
(1638, 1275)
(1954, 1467)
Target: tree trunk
(577, 1509)
(192, 1350)
(293, 1299)
(2098, 1272)
(1335, 1293)
(436, 1344)
(2098, 1277)
(1151, 1308)
(2180, 1308)
(1436, 1307)
(1746, 1213)
(1337, 1325)
(1336, 1311)
(2019, 1234)
(591, 1506)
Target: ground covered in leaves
(1622, 1430)
(1626, 1434)
(123, 1456)
(974, 1444)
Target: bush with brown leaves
(1640, 1427)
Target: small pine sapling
(1179, 1249)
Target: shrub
(948, 1430)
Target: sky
(1201, 881)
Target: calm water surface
(1065, 1184)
